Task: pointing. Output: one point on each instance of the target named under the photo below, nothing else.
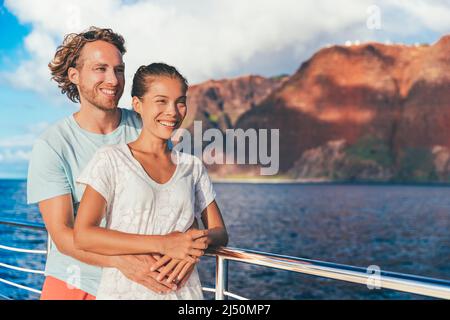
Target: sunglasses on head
(90, 35)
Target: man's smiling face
(100, 75)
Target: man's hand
(176, 270)
(186, 276)
(137, 269)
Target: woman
(143, 197)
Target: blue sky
(205, 39)
(20, 110)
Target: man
(89, 69)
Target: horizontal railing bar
(291, 259)
(208, 289)
(22, 250)
(22, 223)
(390, 280)
(20, 286)
(233, 295)
(3, 297)
(8, 266)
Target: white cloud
(9, 156)
(432, 14)
(26, 139)
(16, 150)
(37, 128)
(207, 39)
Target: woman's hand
(185, 246)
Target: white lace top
(138, 204)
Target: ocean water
(399, 228)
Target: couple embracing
(120, 204)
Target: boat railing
(371, 277)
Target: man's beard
(97, 101)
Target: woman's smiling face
(163, 107)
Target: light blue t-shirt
(59, 156)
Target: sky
(204, 39)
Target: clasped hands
(171, 269)
(182, 251)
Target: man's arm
(58, 217)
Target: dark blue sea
(399, 228)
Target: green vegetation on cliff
(371, 148)
(416, 165)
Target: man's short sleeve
(47, 177)
(98, 175)
(204, 190)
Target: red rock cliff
(395, 93)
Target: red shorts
(55, 289)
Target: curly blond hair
(68, 53)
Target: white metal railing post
(221, 277)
